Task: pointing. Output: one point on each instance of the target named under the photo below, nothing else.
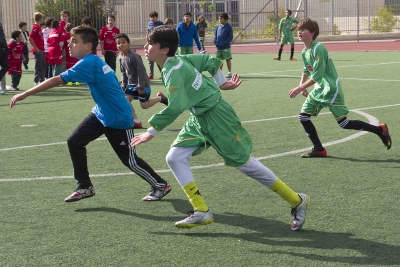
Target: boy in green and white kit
(327, 91)
(213, 122)
(286, 33)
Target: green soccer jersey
(285, 26)
(319, 66)
(187, 87)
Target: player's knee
(303, 117)
(343, 123)
(144, 105)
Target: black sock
(291, 52)
(312, 134)
(280, 53)
(360, 126)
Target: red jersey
(63, 24)
(55, 50)
(37, 37)
(108, 36)
(15, 51)
(70, 61)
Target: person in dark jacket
(3, 55)
(222, 39)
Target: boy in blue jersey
(112, 116)
(320, 72)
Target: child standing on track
(112, 116)
(15, 55)
(201, 30)
(222, 40)
(286, 32)
(107, 42)
(327, 92)
(213, 122)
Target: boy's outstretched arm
(49, 83)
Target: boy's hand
(142, 138)
(16, 98)
(296, 91)
(232, 84)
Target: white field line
(371, 119)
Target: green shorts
(286, 40)
(185, 50)
(224, 54)
(220, 128)
(313, 107)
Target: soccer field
(353, 219)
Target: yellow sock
(195, 198)
(286, 193)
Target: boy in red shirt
(56, 43)
(15, 54)
(37, 42)
(107, 42)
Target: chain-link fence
(252, 20)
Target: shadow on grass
(366, 160)
(275, 233)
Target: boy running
(213, 122)
(286, 33)
(327, 92)
(112, 116)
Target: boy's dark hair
(224, 16)
(87, 34)
(153, 14)
(55, 24)
(123, 35)
(168, 21)
(111, 16)
(69, 27)
(309, 24)
(87, 20)
(64, 12)
(42, 24)
(22, 24)
(289, 11)
(49, 22)
(166, 37)
(15, 34)
(187, 14)
(38, 16)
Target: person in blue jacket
(187, 31)
(154, 22)
(222, 39)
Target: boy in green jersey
(327, 92)
(213, 122)
(286, 32)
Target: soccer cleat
(293, 59)
(150, 77)
(229, 75)
(385, 137)
(299, 212)
(277, 58)
(196, 218)
(80, 194)
(314, 153)
(26, 67)
(157, 194)
(137, 125)
(164, 99)
(2, 92)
